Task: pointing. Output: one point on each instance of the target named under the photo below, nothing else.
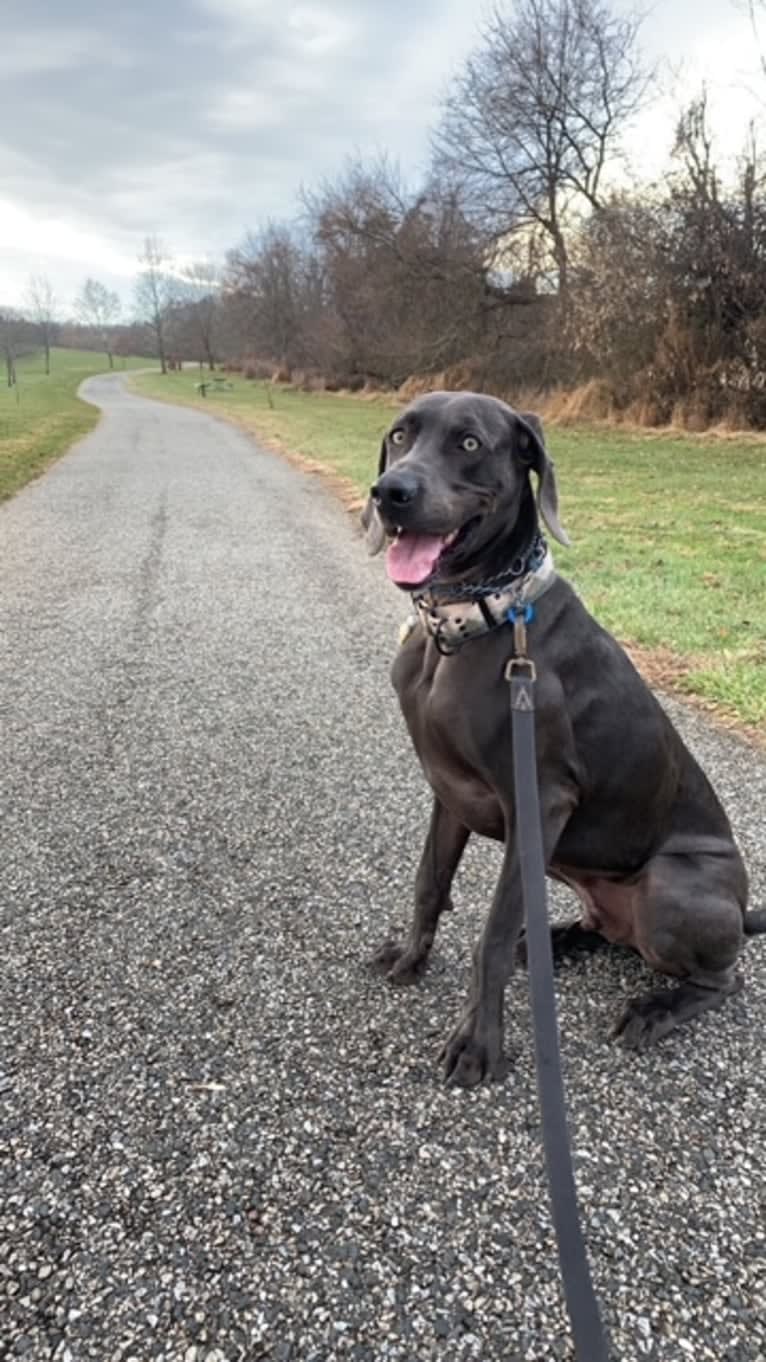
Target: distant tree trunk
(196, 311)
(156, 292)
(98, 307)
(159, 332)
(42, 306)
(561, 257)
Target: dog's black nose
(395, 489)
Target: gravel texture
(220, 1137)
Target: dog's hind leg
(403, 962)
(690, 926)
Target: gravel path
(220, 1139)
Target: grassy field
(669, 533)
(42, 416)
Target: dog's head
(453, 493)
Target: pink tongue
(412, 558)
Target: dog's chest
(437, 722)
(426, 702)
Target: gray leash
(582, 1306)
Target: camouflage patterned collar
(455, 622)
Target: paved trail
(219, 1138)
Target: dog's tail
(755, 923)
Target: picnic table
(216, 382)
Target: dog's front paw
(398, 962)
(642, 1023)
(471, 1056)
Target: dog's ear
(375, 535)
(530, 448)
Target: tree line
(526, 258)
(171, 316)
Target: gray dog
(629, 819)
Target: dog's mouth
(413, 559)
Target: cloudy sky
(198, 119)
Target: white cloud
(60, 249)
(246, 109)
(319, 31)
(46, 236)
(718, 53)
(207, 123)
(46, 50)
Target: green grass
(42, 416)
(669, 533)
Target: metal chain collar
(520, 567)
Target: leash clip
(520, 617)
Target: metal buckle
(518, 664)
(442, 645)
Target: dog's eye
(470, 444)
(398, 437)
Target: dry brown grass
(308, 380)
(587, 404)
(689, 414)
(456, 378)
(590, 404)
(642, 413)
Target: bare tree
(41, 304)
(404, 272)
(756, 11)
(620, 292)
(538, 110)
(155, 291)
(264, 281)
(668, 288)
(18, 337)
(98, 308)
(200, 293)
(378, 282)
(8, 343)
